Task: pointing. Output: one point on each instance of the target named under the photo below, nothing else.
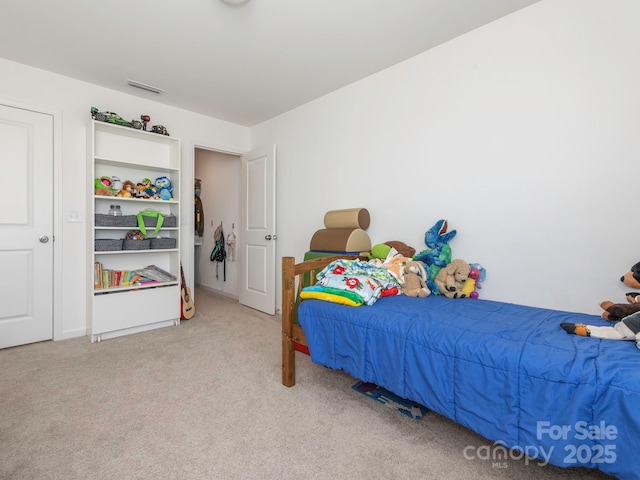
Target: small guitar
(187, 307)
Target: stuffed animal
(472, 284)
(438, 254)
(103, 186)
(401, 247)
(626, 315)
(617, 311)
(381, 250)
(141, 191)
(164, 188)
(150, 189)
(451, 279)
(414, 280)
(116, 184)
(626, 329)
(396, 266)
(128, 189)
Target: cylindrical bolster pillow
(347, 218)
(341, 240)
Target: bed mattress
(508, 372)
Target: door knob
(267, 237)
(43, 239)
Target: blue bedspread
(508, 372)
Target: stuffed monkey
(626, 329)
(617, 311)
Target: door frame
(56, 115)
(187, 187)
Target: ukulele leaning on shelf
(187, 307)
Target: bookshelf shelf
(142, 286)
(102, 198)
(137, 252)
(133, 155)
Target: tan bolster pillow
(341, 240)
(347, 218)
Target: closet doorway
(219, 175)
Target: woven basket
(103, 220)
(108, 244)
(163, 243)
(136, 244)
(168, 221)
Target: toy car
(114, 118)
(159, 129)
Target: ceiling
(242, 63)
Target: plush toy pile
(431, 271)
(161, 189)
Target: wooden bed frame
(293, 280)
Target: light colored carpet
(204, 401)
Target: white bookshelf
(129, 154)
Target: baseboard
(217, 292)
(67, 334)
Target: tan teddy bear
(415, 284)
(451, 279)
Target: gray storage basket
(103, 220)
(168, 221)
(108, 244)
(163, 243)
(136, 244)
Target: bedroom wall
(522, 133)
(71, 99)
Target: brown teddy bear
(128, 189)
(451, 279)
(415, 284)
(617, 311)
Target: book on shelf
(105, 278)
(156, 273)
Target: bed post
(288, 304)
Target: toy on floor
(438, 254)
(414, 280)
(406, 407)
(452, 278)
(617, 311)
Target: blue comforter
(508, 372)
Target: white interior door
(258, 230)
(26, 227)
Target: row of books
(105, 278)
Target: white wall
(220, 175)
(522, 133)
(71, 100)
